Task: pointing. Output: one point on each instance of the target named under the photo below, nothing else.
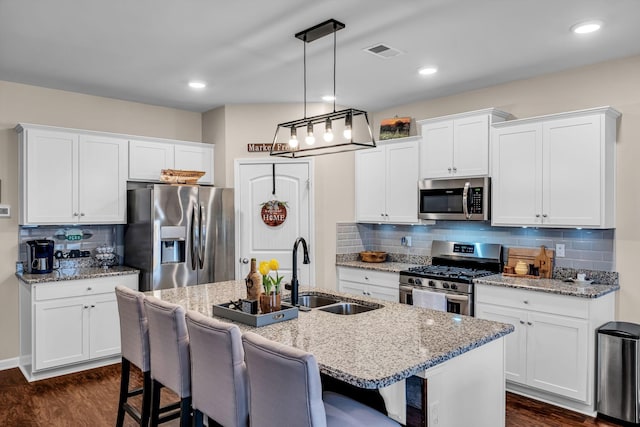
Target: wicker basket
(373, 256)
(176, 176)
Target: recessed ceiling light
(197, 85)
(426, 71)
(586, 27)
(328, 98)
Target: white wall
(30, 104)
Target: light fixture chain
(304, 62)
(334, 67)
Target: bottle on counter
(253, 281)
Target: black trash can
(618, 373)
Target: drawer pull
(529, 323)
(526, 302)
(93, 306)
(522, 322)
(85, 307)
(89, 288)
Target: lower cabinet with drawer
(69, 326)
(551, 353)
(375, 284)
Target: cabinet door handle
(522, 322)
(93, 306)
(75, 214)
(455, 169)
(526, 302)
(366, 278)
(81, 213)
(529, 323)
(85, 307)
(89, 288)
(537, 215)
(544, 215)
(449, 169)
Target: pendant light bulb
(328, 132)
(310, 139)
(347, 127)
(293, 141)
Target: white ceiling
(147, 50)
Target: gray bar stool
(134, 339)
(219, 386)
(285, 390)
(170, 362)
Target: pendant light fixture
(344, 130)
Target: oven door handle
(465, 200)
(458, 298)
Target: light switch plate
(5, 211)
(560, 250)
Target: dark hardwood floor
(90, 398)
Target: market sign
(265, 148)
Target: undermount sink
(314, 301)
(347, 308)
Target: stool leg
(155, 402)
(146, 399)
(125, 369)
(198, 418)
(185, 412)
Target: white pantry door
(254, 187)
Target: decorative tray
(177, 176)
(373, 256)
(288, 312)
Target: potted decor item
(270, 300)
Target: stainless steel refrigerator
(180, 235)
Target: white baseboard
(9, 363)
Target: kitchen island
(461, 357)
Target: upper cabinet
(387, 182)
(147, 158)
(68, 177)
(457, 145)
(556, 170)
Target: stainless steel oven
(455, 199)
(453, 268)
(456, 302)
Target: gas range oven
(453, 267)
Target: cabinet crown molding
(21, 127)
(490, 111)
(607, 110)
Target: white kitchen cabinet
(148, 157)
(551, 353)
(70, 325)
(555, 171)
(68, 177)
(374, 284)
(457, 145)
(387, 182)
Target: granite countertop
(369, 350)
(393, 267)
(554, 286)
(75, 274)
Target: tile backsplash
(584, 249)
(93, 236)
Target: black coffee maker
(39, 256)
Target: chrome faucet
(294, 276)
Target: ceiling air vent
(383, 51)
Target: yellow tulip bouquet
(270, 284)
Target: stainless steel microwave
(455, 199)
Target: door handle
(202, 238)
(465, 200)
(244, 260)
(193, 239)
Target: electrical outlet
(560, 250)
(408, 240)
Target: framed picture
(397, 127)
